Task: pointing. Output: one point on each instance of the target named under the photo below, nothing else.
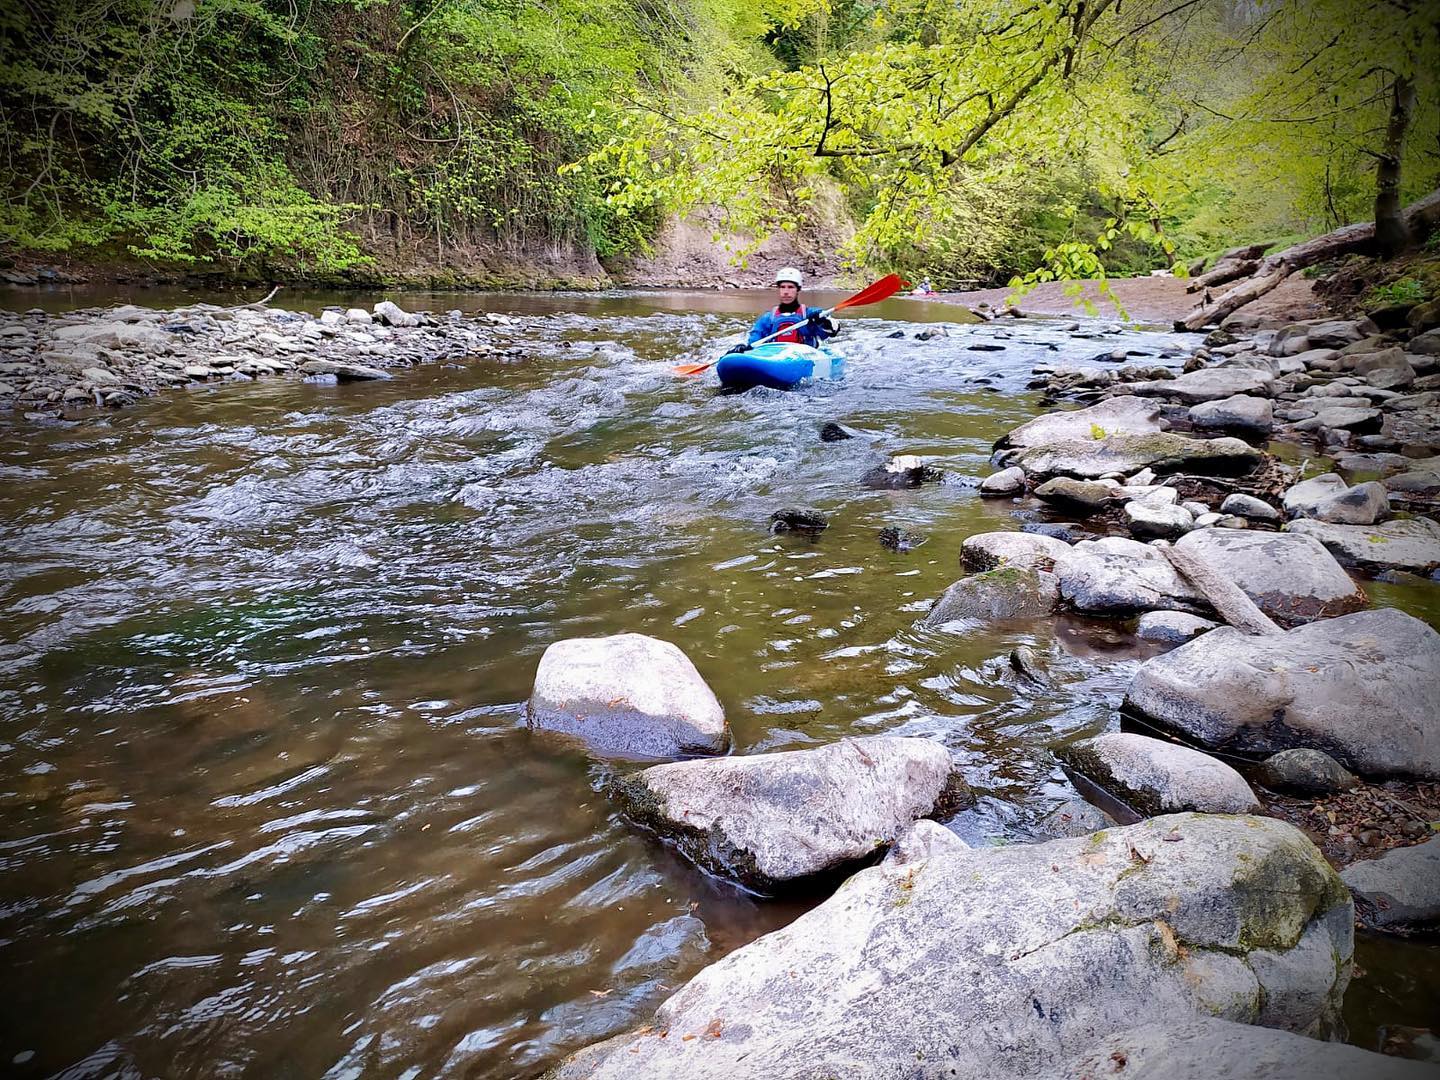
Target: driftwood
(1223, 271)
(1421, 218)
(1244, 252)
(1227, 598)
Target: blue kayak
(780, 365)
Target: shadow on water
(268, 801)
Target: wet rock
(1412, 544)
(798, 520)
(1406, 1041)
(1011, 592)
(833, 432)
(1171, 627)
(1304, 771)
(1247, 506)
(628, 695)
(1009, 481)
(932, 332)
(1365, 688)
(1085, 496)
(1123, 454)
(1067, 532)
(1400, 889)
(1074, 817)
(389, 313)
(1208, 1049)
(1209, 384)
(342, 370)
(904, 471)
(898, 539)
(1026, 663)
(987, 551)
(1242, 414)
(1289, 577)
(1116, 576)
(923, 839)
(1114, 416)
(766, 820)
(1152, 522)
(1051, 948)
(1150, 776)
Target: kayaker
(806, 325)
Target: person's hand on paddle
(735, 350)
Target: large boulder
(1209, 1049)
(627, 695)
(1085, 497)
(1009, 962)
(1290, 577)
(1365, 688)
(1116, 576)
(1151, 776)
(991, 550)
(1243, 414)
(1400, 889)
(769, 819)
(1209, 384)
(1011, 592)
(1165, 453)
(1113, 416)
(1328, 498)
(1412, 544)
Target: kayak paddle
(887, 286)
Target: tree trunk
(1392, 236)
(1227, 598)
(1222, 272)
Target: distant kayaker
(806, 325)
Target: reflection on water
(269, 805)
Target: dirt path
(1159, 300)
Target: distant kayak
(779, 365)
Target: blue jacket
(807, 334)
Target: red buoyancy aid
(796, 320)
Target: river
(269, 803)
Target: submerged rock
(898, 539)
(769, 819)
(1011, 592)
(1412, 544)
(1009, 962)
(1400, 889)
(342, 370)
(1290, 577)
(1365, 688)
(1304, 771)
(1151, 776)
(990, 550)
(1074, 817)
(798, 520)
(627, 695)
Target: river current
(269, 804)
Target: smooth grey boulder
(1116, 576)
(1301, 499)
(766, 820)
(992, 550)
(1346, 418)
(392, 314)
(1412, 544)
(1073, 817)
(1391, 378)
(1113, 416)
(1010, 592)
(1329, 498)
(1384, 359)
(1151, 776)
(1009, 481)
(1416, 483)
(1304, 771)
(1248, 506)
(343, 370)
(1118, 454)
(1290, 577)
(1008, 962)
(1152, 522)
(1084, 496)
(1243, 414)
(1171, 627)
(1210, 1049)
(627, 695)
(1209, 384)
(1365, 688)
(1400, 889)
(923, 839)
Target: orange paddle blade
(887, 286)
(693, 369)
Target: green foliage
(1405, 290)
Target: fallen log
(1244, 252)
(1222, 272)
(1227, 598)
(1421, 218)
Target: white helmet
(790, 274)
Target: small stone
(1074, 818)
(798, 520)
(1085, 496)
(1247, 506)
(1157, 522)
(359, 315)
(1304, 771)
(898, 539)
(833, 432)
(1009, 481)
(1171, 627)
